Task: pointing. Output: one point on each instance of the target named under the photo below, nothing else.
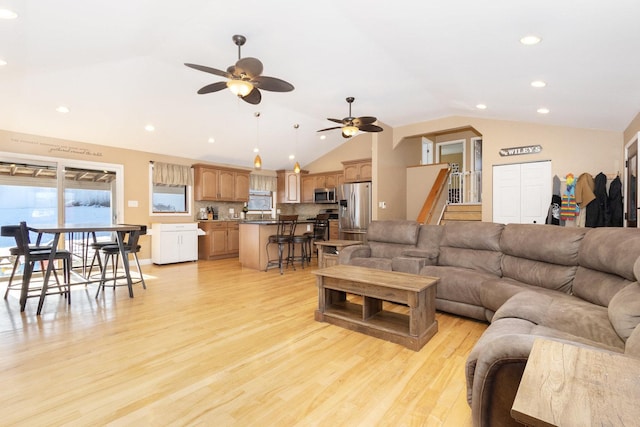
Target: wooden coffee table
(375, 287)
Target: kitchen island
(254, 236)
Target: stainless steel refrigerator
(354, 210)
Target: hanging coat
(602, 201)
(585, 199)
(615, 204)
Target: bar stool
(283, 237)
(112, 252)
(319, 233)
(302, 240)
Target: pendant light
(296, 167)
(257, 162)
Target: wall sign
(516, 151)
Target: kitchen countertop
(255, 221)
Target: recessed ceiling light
(538, 83)
(212, 140)
(149, 128)
(3, 62)
(481, 107)
(62, 109)
(291, 157)
(543, 110)
(256, 150)
(7, 14)
(530, 40)
(323, 137)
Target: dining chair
(112, 252)
(319, 233)
(32, 254)
(283, 238)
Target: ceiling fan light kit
(240, 88)
(245, 77)
(352, 125)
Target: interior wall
(632, 130)
(389, 176)
(358, 147)
(136, 171)
(569, 149)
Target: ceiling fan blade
(370, 128)
(366, 120)
(272, 84)
(254, 97)
(342, 122)
(336, 127)
(209, 70)
(251, 67)
(213, 87)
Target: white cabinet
(174, 242)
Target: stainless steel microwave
(324, 195)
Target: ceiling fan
(351, 125)
(245, 77)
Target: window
(170, 189)
(260, 200)
(170, 199)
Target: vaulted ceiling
(118, 66)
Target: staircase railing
(431, 202)
(465, 187)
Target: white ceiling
(118, 65)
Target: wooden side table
(567, 385)
(328, 251)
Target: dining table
(56, 231)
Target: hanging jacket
(602, 200)
(616, 209)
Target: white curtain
(263, 182)
(169, 174)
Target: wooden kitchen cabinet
(289, 186)
(308, 184)
(213, 183)
(220, 240)
(357, 170)
(319, 180)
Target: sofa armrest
(346, 254)
(430, 257)
(493, 377)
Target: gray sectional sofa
(575, 285)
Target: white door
(522, 192)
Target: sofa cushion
(612, 250)
(458, 284)
(597, 287)
(393, 231)
(479, 260)
(624, 310)
(632, 346)
(472, 235)
(546, 243)
(495, 292)
(473, 245)
(379, 263)
(608, 256)
(538, 273)
(388, 250)
(407, 264)
(564, 313)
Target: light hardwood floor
(209, 343)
